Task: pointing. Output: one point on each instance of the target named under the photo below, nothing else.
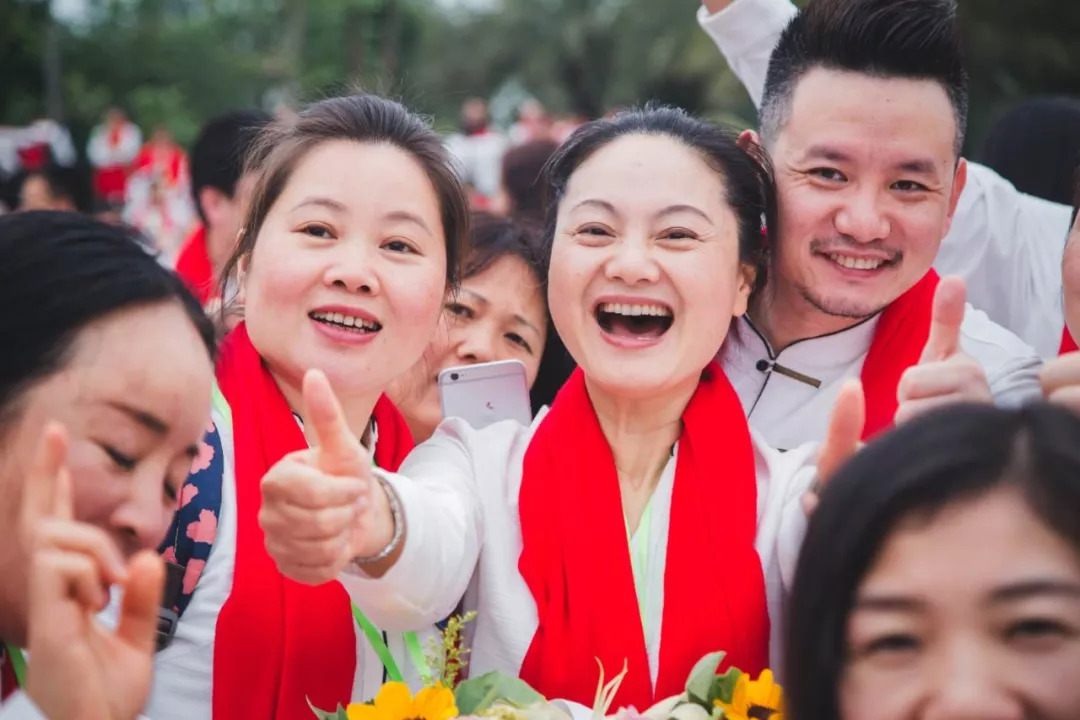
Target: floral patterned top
(194, 526)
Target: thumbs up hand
(945, 374)
(842, 440)
(78, 668)
(322, 506)
(1060, 380)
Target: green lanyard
(374, 637)
(639, 559)
(378, 644)
(18, 663)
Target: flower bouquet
(496, 696)
(708, 696)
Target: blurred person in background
(521, 194)
(478, 148)
(44, 142)
(48, 188)
(113, 147)
(158, 201)
(220, 189)
(533, 123)
(1036, 146)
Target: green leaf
(339, 714)
(475, 695)
(701, 677)
(723, 686)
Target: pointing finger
(48, 493)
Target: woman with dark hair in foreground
(940, 575)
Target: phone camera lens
(454, 376)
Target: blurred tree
(178, 62)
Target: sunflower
(760, 699)
(396, 702)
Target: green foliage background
(178, 62)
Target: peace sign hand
(78, 668)
(945, 374)
(322, 506)
(842, 440)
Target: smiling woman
(350, 244)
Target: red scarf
(899, 340)
(1068, 345)
(8, 682)
(576, 560)
(279, 641)
(194, 267)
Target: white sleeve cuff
(426, 583)
(745, 25)
(20, 707)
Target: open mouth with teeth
(345, 322)
(638, 321)
(850, 262)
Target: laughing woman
(349, 247)
(639, 519)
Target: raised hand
(842, 439)
(945, 374)
(322, 506)
(80, 669)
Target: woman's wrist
(389, 526)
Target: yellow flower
(396, 702)
(760, 699)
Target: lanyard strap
(378, 644)
(18, 663)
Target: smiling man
(1004, 243)
(863, 117)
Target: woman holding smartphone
(638, 520)
(498, 313)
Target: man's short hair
(910, 39)
(217, 158)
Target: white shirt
(1006, 245)
(184, 671)
(789, 411)
(459, 494)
